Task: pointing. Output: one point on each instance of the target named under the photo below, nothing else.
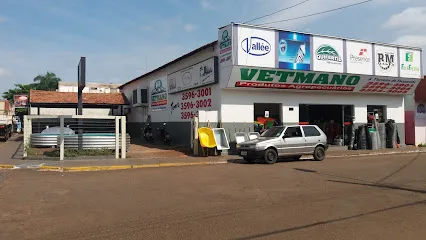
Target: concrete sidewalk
(11, 157)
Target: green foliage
(48, 82)
(81, 153)
(422, 145)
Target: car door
(312, 137)
(293, 141)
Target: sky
(124, 39)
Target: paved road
(353, 198)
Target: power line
(314, 14)
(267, 15)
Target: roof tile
(38, 96)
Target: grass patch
(81, 153)
(422, 145)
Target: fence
(76, 132)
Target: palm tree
(49, 81)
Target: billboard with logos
(20, 101)
(266, 78)
(276, 49)
(256, 47)
(197, 75)
(385, 61)
(409, 63)
(294, 51)
(359, 58)
(158, 94)
(328, 54)
(225, 46)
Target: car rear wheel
(319, 153)
(271, 156)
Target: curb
(7, 166)
(181, 164)
(376, 154)
(123, 167)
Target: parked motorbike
(147, 133)
(165, 135)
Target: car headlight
(252, 146)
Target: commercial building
(252, 73)
(89, 88)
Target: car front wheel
(271, 156)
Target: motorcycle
(147, 133)
(165, 135)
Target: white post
(195, 139)
(27, 134)
(123, 137)
(61, 138)
(117, 137)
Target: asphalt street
(382, 197)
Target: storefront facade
(254, 73)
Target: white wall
(94, 88)
(420, 131)
(139, 114)
(238, 105)
(71, 111)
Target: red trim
(303, 123)
(347, 123)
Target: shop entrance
(335, 120)
(267, 115)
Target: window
(135, 97)
(293, 132)
(144, 95)
(311, 131)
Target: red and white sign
(186, 105)
(359, 58)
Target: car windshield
(273, 132)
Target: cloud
(3, 72)
(2, 19)
(392, 2)
(206, 4)
(189, 27)
(412, 40)
(410, 20)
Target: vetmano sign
(245, 77)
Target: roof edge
(171, 62)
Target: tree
(19, 89)
(48, 82)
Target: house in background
(65, 103)
(90, 87)
(415, 115)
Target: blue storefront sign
(294, 51)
